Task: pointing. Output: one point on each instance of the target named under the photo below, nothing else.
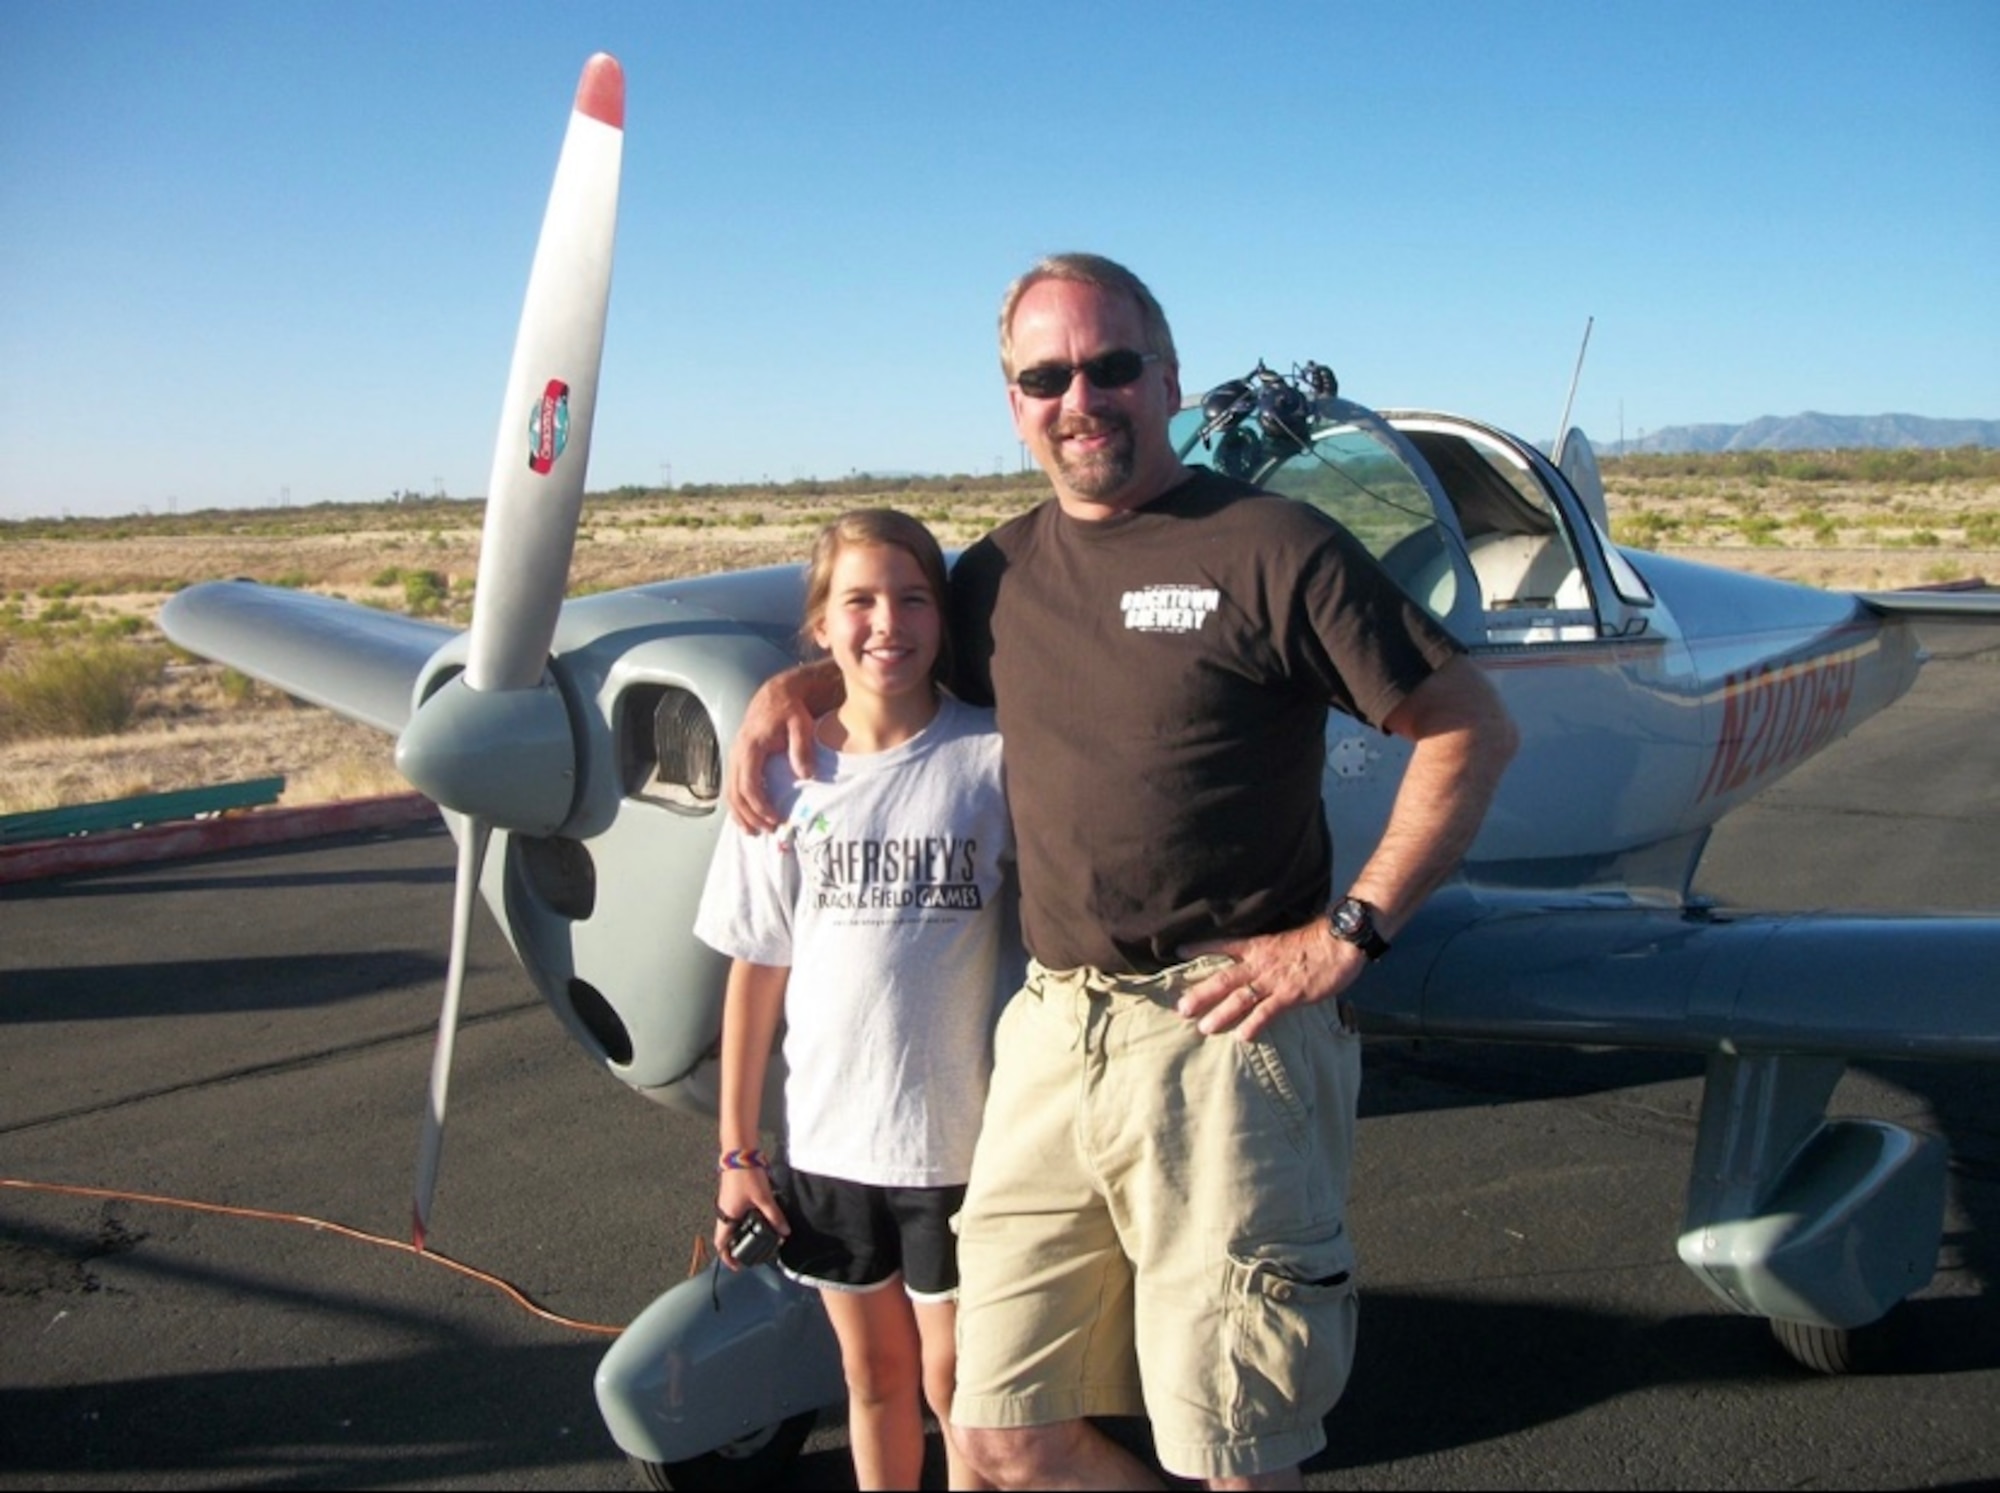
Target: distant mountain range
(1810, 432)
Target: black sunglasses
(1112, 370)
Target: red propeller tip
(601, 94)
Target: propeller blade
(532, 505)
(471, 856)
(543, 448)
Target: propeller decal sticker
(548, 427)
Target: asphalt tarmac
(252, 1032)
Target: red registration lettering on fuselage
(1775, 715)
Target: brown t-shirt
(1161, 681)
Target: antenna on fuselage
(1562, 425)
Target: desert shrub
(424, 592)
(1646, 529)
(237, 688)
(74, 691)
(1758, 528)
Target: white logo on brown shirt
(1169, 608)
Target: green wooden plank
(141, 809)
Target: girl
(870, 928)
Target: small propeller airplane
(575, 748)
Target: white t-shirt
(882, 894)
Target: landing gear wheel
(755, 1461)
(1824, 1350)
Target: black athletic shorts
(854, 1236)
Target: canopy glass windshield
(1352, 472)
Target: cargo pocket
(1293, 1314)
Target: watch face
(1349, 919)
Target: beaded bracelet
(740, 1161)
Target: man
(1156, 1221)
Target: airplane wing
(357, 662)
(1931, 603)
(1693, 979)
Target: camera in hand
(752, 1241)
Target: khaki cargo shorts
(1156, 1223)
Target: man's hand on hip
(1271, 975)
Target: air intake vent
(603, 1024)
(667, 747)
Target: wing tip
(601, 92)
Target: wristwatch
(1353, 921)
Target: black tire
(755, 1461)
(1824, 1350)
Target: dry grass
(189, 734)
(96, 579)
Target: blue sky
(267, 252)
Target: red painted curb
(160, 842)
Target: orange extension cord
(513, 1293)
